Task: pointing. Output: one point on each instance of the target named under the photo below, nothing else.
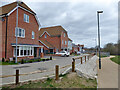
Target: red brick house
(77, 48)
(28, 32)
(54, 39)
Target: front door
(35, 52)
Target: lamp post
(98, 12)
(18, 2)
(16, 33)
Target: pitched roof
(48, 44)
(7, 8)
(53, 31)
(69, 39)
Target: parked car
(78, 53)
(63, 53)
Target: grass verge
(70, 80)
(8, 63)
(116, 59)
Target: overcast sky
(79, 18)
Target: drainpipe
(6, 37)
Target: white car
(63, 53)
(78, 53)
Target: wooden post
(73, 60)
(17, 76)
(73, 66)
(57, 72)
(81, 60)
(85, 58)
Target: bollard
(17, 76)
(57, 72)
(50, 57)
(73, 60)
(81, 60)
(85, 58)
(73, 66)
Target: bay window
(24, 51)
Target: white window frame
(26, 18)
(65, 42)
(17, 31)
(62, 42)
(20, 48)
(45, 36)
(64, 34)
(33, 35)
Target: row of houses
(32, 40)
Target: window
(24, 51)
(26, 18)
(19, 32)
(65, 42)
(33, 35)
(45, 36)
(17, 51)
(64, 34)
(62, 42)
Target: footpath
(108, 74)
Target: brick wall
(28, 27)
(55, 41)
(64, 39)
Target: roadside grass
(116, 59)
(8, 63)
(70, 80)
(23, 61)
(103, 56)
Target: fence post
(81, 60)
(85, 58)
(17, 76)
(73, 60)
(73, 66)
(57, 72)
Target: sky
(78, 18)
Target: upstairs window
(33, 35)
(62, 42)
(45, 36)
(65, 42)
(19, 32)
(64, 34)
(26, 18)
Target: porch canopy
(32, 45)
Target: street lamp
(18, 2)
(98, 12)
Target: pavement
(34, 71)
(87, 69)
(108, 74)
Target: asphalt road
(33, 71)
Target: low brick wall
(52, 55)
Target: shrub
(22, 61)
(43, 59)
(3, 60)
(50, 57)
(47, 59)
(38, 60)
(7, 61)
(30, 61)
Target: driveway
(36, 70)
